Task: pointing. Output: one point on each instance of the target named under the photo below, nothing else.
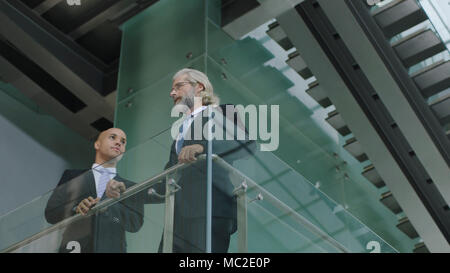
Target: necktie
(104, 179)
(184, 126)
(181, 140)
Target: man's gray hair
(196, 76)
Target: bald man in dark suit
(80, 190)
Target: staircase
(422, 52)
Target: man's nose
(172, 93)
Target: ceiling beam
(70, 69)
(19, 24)
(46, 6)
(101, 18)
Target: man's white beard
(188, 100)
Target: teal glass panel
(214, 11)
(159, 40)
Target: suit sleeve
(132, 210)
(60, 206)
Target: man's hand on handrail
(86, 204)
(114, 188)
(188, 153)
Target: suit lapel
(90, 183)
(173, 157)
(200, 122)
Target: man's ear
(96, 145)
(200, 87)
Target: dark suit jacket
(103, 232)
(190, 202)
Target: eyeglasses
(179, 85)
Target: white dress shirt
(111, 172)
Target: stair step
(433, 78)
(389, 201)
(317, 93)
(296, 62)
(421, 248)
(418, 46)
(336, 121)
(372, 175)
(278, 35)
(354, 148)
(405, 225)
(385, 7)
(399, 16)
(441, 108)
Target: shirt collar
(197, 111)
(111, 170)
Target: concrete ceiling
(55, 54)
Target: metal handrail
(267, 196)
(249, 184)
(108, 202)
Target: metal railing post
(242, 229)
(168, 216)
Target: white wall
(27, 168)
(35, 149)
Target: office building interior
(362, 88)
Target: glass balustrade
(257, 199)
(307, 195)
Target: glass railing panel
(299, 205)
(24, 222)
(186, 211)
(143, 231)
(270, 233)
(291, 203)
(144, 227)
(37, 215)
(295, 230)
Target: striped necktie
(181, 140)
(179, 143)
